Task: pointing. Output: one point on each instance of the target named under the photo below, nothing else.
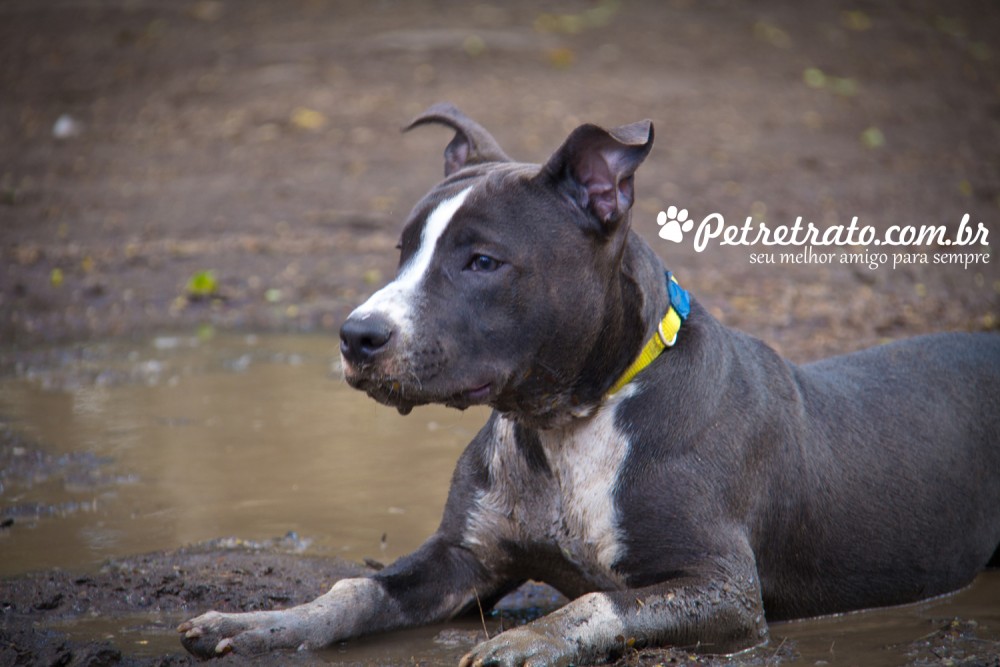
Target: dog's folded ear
(472, 143)
(597, 167)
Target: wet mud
(148, 596)
(49, 618)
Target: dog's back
(916, 489)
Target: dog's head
(511, 289)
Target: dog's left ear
(472, 143)
(597, 168)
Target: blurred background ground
(249, 152)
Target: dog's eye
(484, 263)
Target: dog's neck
(639, 294)
(663, 338)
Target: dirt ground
(216, 574)
(260, 141)
(169, 165)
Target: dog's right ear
(472, 143)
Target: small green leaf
(844, 86)
(856, 20)
(814, 77)
(202, 284)
(206, 332)
(772, 34)
(873, 138)
(474, 45)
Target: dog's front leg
(434, 583)
(714, 614)
(340, 613)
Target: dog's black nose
(361, 338)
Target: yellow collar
(665, 336)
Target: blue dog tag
(679, 298)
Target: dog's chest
(585, 465)
(568, 505)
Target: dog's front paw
(214, 634)
(521, 647)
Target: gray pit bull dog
(678, 480)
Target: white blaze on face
(396, 299)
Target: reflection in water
(248, 437)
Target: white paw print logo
(674, 224)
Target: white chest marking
(575, 509)
(397, 299)
(586, 462)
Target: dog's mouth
(404, 396)
(480, 394)
(539, 411)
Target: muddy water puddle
(153, 445)
(122, 448)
